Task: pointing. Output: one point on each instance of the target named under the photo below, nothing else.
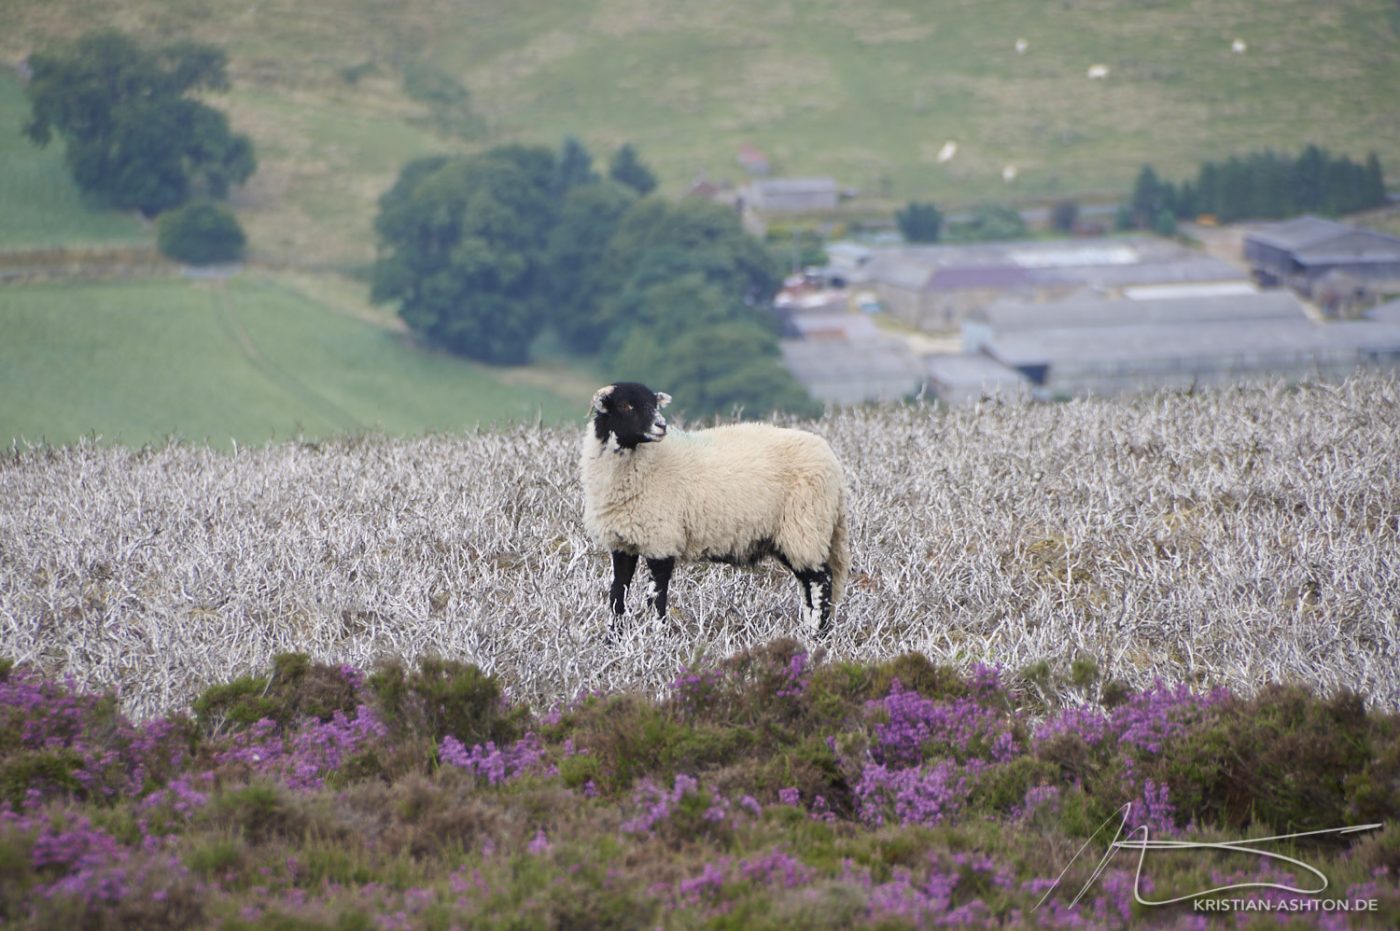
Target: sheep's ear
(662, 399)
(600, 396)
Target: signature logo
(1140, 841)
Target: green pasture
(249, 359)
(39, 205)
(867, 93)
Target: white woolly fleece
(720, 493)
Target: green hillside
(39, 205)
(249, 359)
(868, 92)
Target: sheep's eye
(624, 406)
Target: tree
(588, 218)
(919, 222)
(627, 168)
(992, 222)
(686, 309)
(1151, 198)
(1374, 187)
(575, 165)
(1064, 216)
(134, 136)
(201, 234)
(709, 234)
(462, 242)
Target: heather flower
(1153, 810)
(696, 690)
(985, 680)
(914, 723)
(303, 757)
(657, 805)
(707, 887)
(795, 677)
(927, 795)
(1036, 798)
(1151, 717)
(777, 867)
(492, 763)
(1088, 724)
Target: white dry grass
(1232, 537)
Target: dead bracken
(1234, 537)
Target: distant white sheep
(945, 154)
(734, 494)
(1098, 72)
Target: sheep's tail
(839, 554)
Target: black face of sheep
(630, 413)
(733, 494)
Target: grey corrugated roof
(1298, 233)
(970, 371)
(1385, 313)
(1315, 241)
(1128, 344)
(980, 276)
(1102, 263)
(899, 271)
(848, 325)
(1012, 316)
(828, 358)
(795, 185)
(1198, 268)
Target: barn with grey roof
(1302, 252)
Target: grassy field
(867, 94)
(39, 205)
(253, 358)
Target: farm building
(790, 195)
(967, 378)
(1006, 317)
(936, 287)
(1386, 313)
(1304, 252)
(829, 325)
(1114, 359)
(1089, 345)
(854, 371)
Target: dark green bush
(443, 697)
(296, 688)
(201, 234)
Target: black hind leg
(816, 598)
(660, 570)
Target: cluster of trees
(483, 252)
(924, 222)
(919, 222)
(135, 136)
(1258, 186)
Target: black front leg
(624, 564)
(660, 570)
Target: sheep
(732, 494)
